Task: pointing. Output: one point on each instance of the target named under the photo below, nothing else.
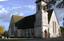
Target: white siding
(54, 19)
(41, 23)
(44, 22)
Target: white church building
(46, 24)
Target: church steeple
(40, 4)
(47, 1)
(41, 18)
(37, 1)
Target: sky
(15, 7)
(20, 8)
(59, 15)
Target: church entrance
(46, 34)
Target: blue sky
(15, 7)
(20, 8)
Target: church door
(46, 35)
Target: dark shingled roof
(26, 22)
(49, 14)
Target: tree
(1, 31)
(5, 34)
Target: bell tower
(41, 24)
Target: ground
(32, 39)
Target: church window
(54, 27)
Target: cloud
(5, 25)
(61, 23)
(3, 11)
(30, 6)
(4, 14)
(21, 14)
(16, 7)
(30, 9)
(3, 0)
(17, 13)
(1, 6)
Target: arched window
(54, 27)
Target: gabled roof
(16, 18)
(26, 22)
(49, 15)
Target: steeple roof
(49, 14)
(47, 1)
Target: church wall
(54, 19)
(41, 23)
(38, 24)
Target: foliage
(1, 30)
(62, 29)
(5, 34)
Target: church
(47, 24)
(43, 24)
